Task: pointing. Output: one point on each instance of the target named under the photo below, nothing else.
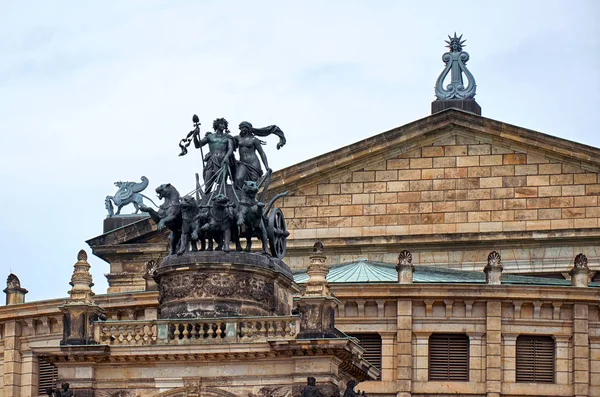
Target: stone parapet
(196, 331)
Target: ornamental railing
(195, 331)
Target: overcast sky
(92, 92)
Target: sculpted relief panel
(174, 287)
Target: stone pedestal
(211, 284)
(468, 105)
(78, 319)
(117, 221)
(317, 317)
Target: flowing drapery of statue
(227, 206)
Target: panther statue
(221, 223)
(250, 214)
(189, 223)
(168, 214)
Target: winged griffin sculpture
(128, 193)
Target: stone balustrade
(195, 331)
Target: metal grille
(372, 345)
(47, 377)
(449, 357)
(535, 359)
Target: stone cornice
(343, 349)
(50, 307)
(450, 240)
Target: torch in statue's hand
(185, 142)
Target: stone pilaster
(509, 357)
(493, 269)
(29, 374)
(404, 348)
(476, 357)
(388, 353)
(563, 370)
(80, 311)
(581, 350)
(12, 359)
(14, 293)
(421, 357)
(580, 271)
(405, 268)
(494, 349)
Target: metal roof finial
(456, 61)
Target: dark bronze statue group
(229, 205)
(312, 390)
(64, 391)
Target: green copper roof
(364, 271)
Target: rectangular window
(372, 345)
(535, 359)
(47, 377)
(449, 357)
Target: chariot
(272, 217)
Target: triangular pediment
(424, 132)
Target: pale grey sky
(98, 91)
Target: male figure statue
(220, 146)
(311, 389)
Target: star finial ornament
(455, 44)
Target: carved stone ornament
(494, 260)
(81, 280)
(581, 261)
(14, 293)
(405, 258)
(12, 282)
(317, 273)
(208, 285)
(455, 60)
(318, 247)
(151, 266)
(272, 391)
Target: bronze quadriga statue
(226, 207)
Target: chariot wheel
(277, 233)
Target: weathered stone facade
(444, 191)
(447, 179)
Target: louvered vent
(372, 345)
(449, 357)
(535, 359)
(47, 376)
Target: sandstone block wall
(455, 185)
